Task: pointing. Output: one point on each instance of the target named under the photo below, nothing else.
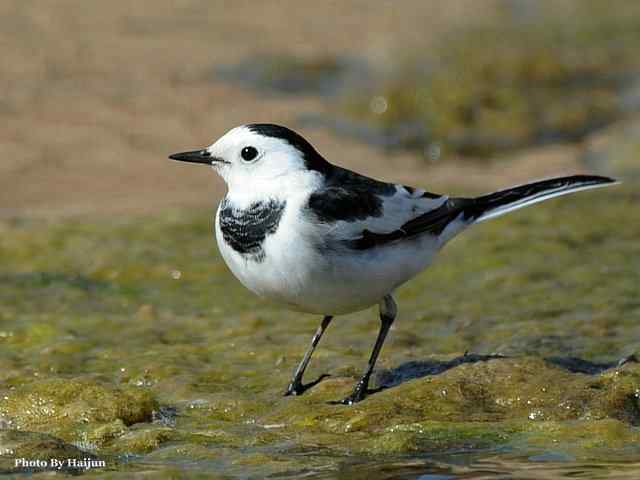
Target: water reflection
(494, 467)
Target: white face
(246, 160)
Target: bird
(321, 239)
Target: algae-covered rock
(218, 363)
(578, 438)
(67, 407)
(433, 436)
(518, 388)
(476, 404)
(35, 446)
(143, 440)
(104, 434)
(14, 443)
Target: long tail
(504, 201)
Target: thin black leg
(388, 312)
(296, 387)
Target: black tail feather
(503, 201)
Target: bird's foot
(628, 359)
(295, 388)
(350, 399)
(359, 393)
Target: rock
(519, 388)
(143, 440)
(478, 403)
(17, 445)
(77, 409)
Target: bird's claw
(294, 388)
(357, 396)
(628, 359)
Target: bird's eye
(249, 153)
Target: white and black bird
(322, 239)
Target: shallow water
(129, 341)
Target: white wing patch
(404, 205)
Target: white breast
(285, 271)
(296, 271)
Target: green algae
(32, 445)
(482, 393)
(80, 410)
(600, 438)
(110, 351)
(510, 84)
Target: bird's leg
(388, 311)
(296, 387)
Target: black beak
(195, 156)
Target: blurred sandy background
(95, 95)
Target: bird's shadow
(306, 386)
(423, 368)
(412, 370)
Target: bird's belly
(358, 280)
(284, 275)
(309, 279)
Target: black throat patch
(245, 230)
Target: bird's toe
(628, 359)
(295, 388)
(355, 397)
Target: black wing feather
(433, 221)
(349, 197)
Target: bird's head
(258, 154)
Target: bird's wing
(363, 213)
(434, 220)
